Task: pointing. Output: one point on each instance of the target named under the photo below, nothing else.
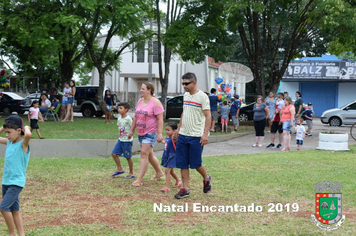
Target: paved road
(243, 145)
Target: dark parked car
(246, 112)
(174, 107)
(86, 102)
(10, 102)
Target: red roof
(212, 62)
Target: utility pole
(150, 54)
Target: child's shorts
(287, 125)
(224, 121)
(34, 124)
(235, 120)
(299, 142)
(189, 152)
(148, 138)
(109, 107)
(123, 148)
(276, 127)
(10, 198)
(309, 123)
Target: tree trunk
(66, 66)
(99, 94)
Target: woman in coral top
(288, 113)
(149, 123)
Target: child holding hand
(169, 157)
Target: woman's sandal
(136, 184)
(155, 178)
(178, 185)
(165, 190)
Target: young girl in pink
(33, 115)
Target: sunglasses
(187, 83)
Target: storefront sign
(314, 70)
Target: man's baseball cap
(15, 120)
(236, 96)
(310, 104)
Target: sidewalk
(230, 144)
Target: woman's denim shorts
(286, 125)
(148, 138)
(109, 107)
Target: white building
(134, 69)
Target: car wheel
(99, 114)
(335, 121)
(6, 110)
(88, 111)
(243, 117)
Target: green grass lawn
(91, 128)
(73, 196)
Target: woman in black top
(108, 103)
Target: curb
(90, 148)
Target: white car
(338, 116)
(34, 96)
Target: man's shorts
(309, 123)
(235, 121)
(189, 152)
(123, 148)
(10, 198)
(276, 127)
(214, 115)
(299, 142)
(148, 138)
(287, 125)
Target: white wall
(290, 87)
(128, 65)
(346, 93)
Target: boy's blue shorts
(189, 152)
(123, 148)
(10, 198)
(299, 142)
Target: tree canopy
(265, 33)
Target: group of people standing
(282, 115)
(183, 143)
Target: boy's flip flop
(129, 177)
(116, 173)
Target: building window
(154, 51)
(140, 52)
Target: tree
(173, 11)
(120, 18)
(36, 32)
(269, 31)
(340, 24)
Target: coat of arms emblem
(328, 205)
